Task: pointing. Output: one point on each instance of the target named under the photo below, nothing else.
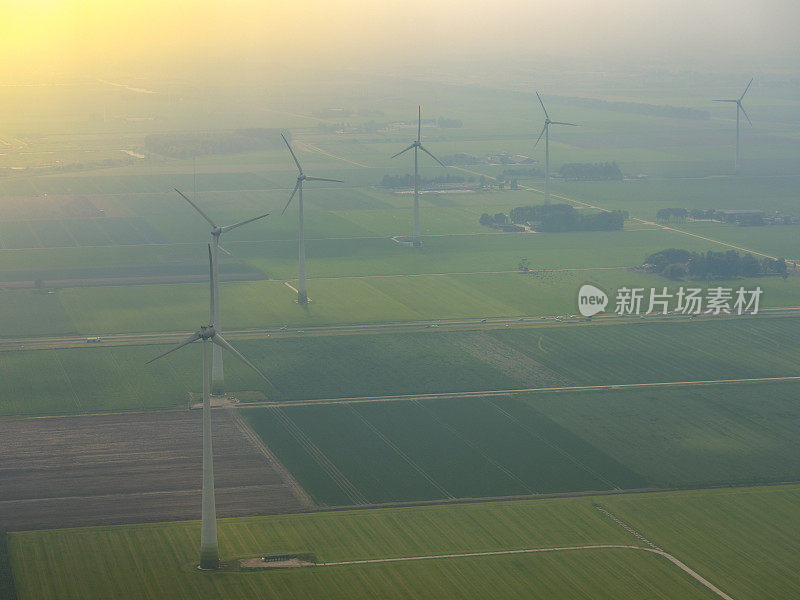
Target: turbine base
(302, 298)
(209, 559)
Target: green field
(741, 540)
(74, 380)
(538, 443)
(425, 450)
(7, 587)
(744, 540)
(686, 437)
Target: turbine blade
(220, 341)
(744, 112)
(288, 202)
(297, 162)
(419, 123)
(562, 123)
(745, 89)
(540, 136)
(229, 227)
(543, 108)
(223, 249)
(432, 156)
(197, 208)
(192, 338)
(323, 179)
(406, 150)
(211, 285)
(724, 100)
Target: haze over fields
(393, 210)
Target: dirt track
(126, 468)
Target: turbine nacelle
(207, 332)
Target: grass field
(746, 531)
(744, 540)
(538, 443)
(684, 437)
(81, 379)
(424, 450)
(332, 537)
(8, 590)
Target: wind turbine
(546, 133)
(302, 294)
(417, 145)
(217, 375)
(209, 555)
(739, 108)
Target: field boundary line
(692, 573)
(403, 455)
(513, 391)
(653, 548)
(261, 446)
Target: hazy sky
(42, 37)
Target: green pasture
(688, 436)
(741, 540)
(79, 558)
(435, 449)
(88, 378)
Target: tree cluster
(186, 145)
(678, 215)
(676, 264)
(563, 217)
(499, 221)
(604, 171)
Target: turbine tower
(546, 133)
(217, 375)
(739, 108)
(417, 145)
(302, 294)
(209, 555)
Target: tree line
(677, 264)
(554, 218)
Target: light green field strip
(109, 562)
(737, 542)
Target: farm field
(742, 539)
(424, 450)
(130, 468)
(344, 300)
(537, 443)
(76, 380)
(79, 558)
(688, 437)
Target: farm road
(691, 572)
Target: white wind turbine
(546, 133)
(302, 293)
(739, 108)
(209, 555)
(417, 145)
(217, 374)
